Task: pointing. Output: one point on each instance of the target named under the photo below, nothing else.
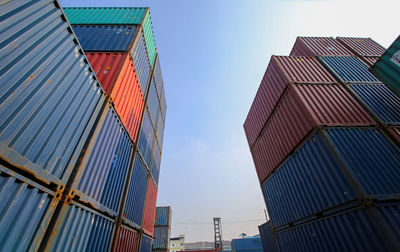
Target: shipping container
(156, 162)
(380, 100)
(161, 237)
(141, 61)
(124, 91)
(370, 60)
(281, 72)
(26, 209)
(316, 105)
(268, 237)
(247, 244)
(79, 228)
(362, 46)
(136, 197)
(49, 97)
(149, 37)
(103, 170)
(127, 240)
(354, 230)
(394, 134)
(158, 76)
(145, 243)
(318, 46)
(150, 208)
(160, 129)
(348, 69)
(163, 105)
(163, 216)
(146, 138)
(387, 68)
(153, 102)
(322, 175)
(105, 38)
(105, 15)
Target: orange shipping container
(150, 208)
(117, 75)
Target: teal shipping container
(387, 68)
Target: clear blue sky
(213, 55)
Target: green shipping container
(116, 16)
(387, 68)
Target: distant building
(177, 243)
(204, 245)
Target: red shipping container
(370, 60)
(126, 240)
(281, 71)
(319, 46)
(117, 76)
(302, 109)
(362, 46)
(150, 208)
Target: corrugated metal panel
(362, 46)
(105, 15)
(371, 159)
(141, 61)
(310, 181)
(247, 244)
(156, 161)
(395, 133)
(370, 60)
(158, 75)
(281, 72)
(380, 100)
(25, 212)
(302, 108)
(145, 244)
(135, 200)
(161, 237)
(149, 37)
(105, 38)
(152, 102)
(146, 138)
(267, 237)
(127, 240)
(107, 67)
(150, 208)
(80, 229)
(318, 46)
(348, 231)
(48, 95)
(104, 168)
(349, 69)
(163, 104)
(160, 129)
(163, 216)
(387, 69)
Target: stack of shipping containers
(319, 130)
(81, 130)
(162, 229)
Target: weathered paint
(318, 46)
(127, 239)
(281, 72)
(150, 208)
(105, 15)
(380, 100)
(49, 97)
(268, 237)
(146, 139)
(141, 61)
(26, 209)
(79, 228)
(362, 46)
(163, 216)
(387, 68)
(136, 197)
(149, 37)
(145, 243)
(161, 237)
(101, 175)
(348, 69)
(105, 38)
(303, 108)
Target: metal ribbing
(160, 129)
(146, 138)
(325, 46)
(127, 240)
(141, 61)
(349, 69)
(149, 37)
(152, 102)
(370, 60)
(362, 46)
(145, 243)
(158, 76)
(380, 100)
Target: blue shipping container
(48, 95)
(348, 69)
(163, 216)
(158, 76)
(79, 228)
(153, 103)
(383, 103)
(163, 104)
(102, 173)
(247, 244)
(136, 198)
(160, 129)
(161, 237)
(145, 244)
(146, 138)
(355, 230)
(267, 237)
(26, 209)
(105, 38)
(156, 161)
(314, 178)
(141, 61)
